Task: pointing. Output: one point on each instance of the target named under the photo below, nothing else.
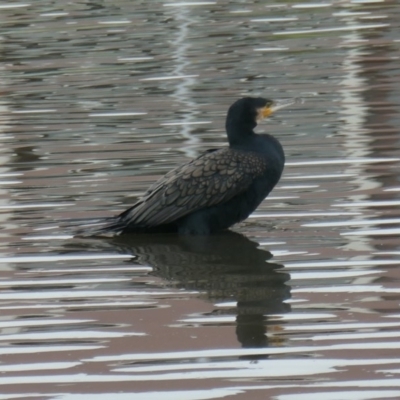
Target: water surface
(301, 301)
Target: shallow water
(301, 301)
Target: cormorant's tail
(85, 227)
(101, 227)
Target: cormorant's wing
(211, 179)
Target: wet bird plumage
(217, 189)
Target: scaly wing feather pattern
(211, 179)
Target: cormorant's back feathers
(213, 178)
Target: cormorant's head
(251, 110)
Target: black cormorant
(217, 189)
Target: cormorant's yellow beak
(266, 111)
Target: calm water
(301, 301)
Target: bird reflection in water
(226, 267)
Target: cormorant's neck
(239, 132)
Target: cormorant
(217, 189)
